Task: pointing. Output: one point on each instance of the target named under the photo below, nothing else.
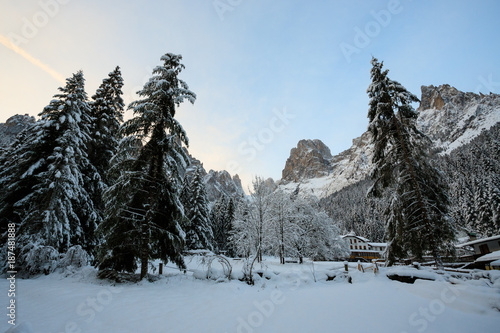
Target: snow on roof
(366, 240)
(378, 244)
(495, 263)
(483, 240)
(490, 256)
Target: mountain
(451, 118)
(311, 159)
(344, 169)
(217, 183)
(12, 127)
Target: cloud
(11, 46)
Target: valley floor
(285, 299)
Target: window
(351, 247)
(364, 247)
(355, 241)
(350, 240)
(356, 247)
(484, 249)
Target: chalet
(483, 246)
(361, 247)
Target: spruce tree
(199, 234)
(143, 206)
(45, 188)
(107, 115)
(221, 218)
(417, 219)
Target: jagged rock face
(448, 116)
(452, 118)
(351, 165)
(310, 159)
(219, 183)
(13, 126)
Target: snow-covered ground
(285, 299)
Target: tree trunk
(282, 246)
(145, 245)
(144, 262)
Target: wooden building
(483, 246)
(361, 247)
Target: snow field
(285, 299)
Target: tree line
(83, 181)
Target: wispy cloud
(11, 46)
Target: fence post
(160, 270)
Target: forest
(82, 186)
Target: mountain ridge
(450, 117)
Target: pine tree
(417, 219)
(143, 207)
(221, 218)
(107, 115)
(199, 234)
(46, 191)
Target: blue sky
(266, 73)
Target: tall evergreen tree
(199, 234)
(45, 188)
(144, 210)
(417, 219)
(107, 113)
(221, 218)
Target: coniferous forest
(82, 186)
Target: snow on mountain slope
(451, 118)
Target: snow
(490, 256)
(285, 299)
(482, 240)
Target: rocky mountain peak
(310, 159)
(13, 126)
(452, 118)
(448, 116)
(217, 183)
(220, 183)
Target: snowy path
(289, 302)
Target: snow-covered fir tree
(352, 210)
(44, 175)
(417, 219)
(199, 233)
(221, 218)
(143, 206)
(107, 115)
(473, 174)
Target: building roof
(378, 244)
(495, 263)
(493, 256)
(479, 241)
(366, 240)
